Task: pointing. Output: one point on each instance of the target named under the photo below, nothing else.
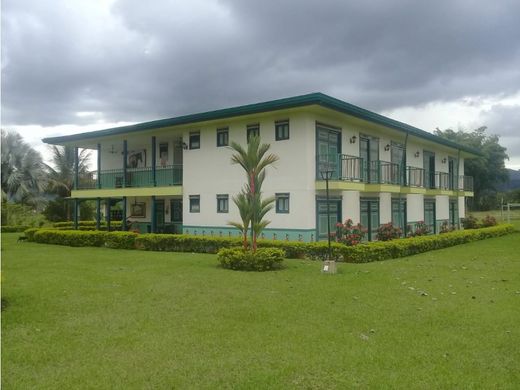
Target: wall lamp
(444, 160)
(387, 147)
(417, 154)
(353, 139)
(184, 145)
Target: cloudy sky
(76, 65)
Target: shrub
(69, 237)
(388, 232)
(29, 233)
(420, 230)
(349, 234)
(470, 222)
(488, 221)
(120, 240)
(264, 259)
(446, 227)
(184, 243)
(14, 228)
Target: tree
(488, 170)
(250, 204)
(61, 182)
(23, 175)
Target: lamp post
(326, 173)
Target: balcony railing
(352, 168)
(170, 175)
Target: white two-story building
(175, 175)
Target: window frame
(194, 146)
(192, 199)
(223, 197)
(282, 196)
(277, 126)
(251, 128)
(220, 131)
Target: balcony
(354, 169)
(170, 175)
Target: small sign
(325, 268)
(329, 267)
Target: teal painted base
(302, 235)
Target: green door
(176, 215)
(159, 215)
(369, 216)
(369, 152)
(429, 169)
(335, 217)
(454, 215)
(429, 215)
(399, 214)
(328, 150)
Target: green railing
(351, 168)
(414, 177)
(170, 175)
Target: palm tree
(23, 175)
(61, 177)
(254, 161)
(244, 209)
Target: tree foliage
(252, 207)
(488, 170)
(23, 174)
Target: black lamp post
(326, 174)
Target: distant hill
(514, 181)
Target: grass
(103, 318)
(501, 217)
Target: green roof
(272, 105)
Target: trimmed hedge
(264, 259)
(86, 225)
(13, 228)
(362, 253)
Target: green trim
(282, 234)
(279, 104)
(129, 191)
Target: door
(369, 152)
(159, 214)
(328, 150)
(429, 216)
(176, 215)
(369, 217)
(399, 214)
(452, 173)
(398, 159)
(454, 215)
(322, 217)
(429, 169)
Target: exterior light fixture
(326, 173)
(417, 154)
(353, 139)
(387, 147)
(444, 160)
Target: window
(282, 203)
(195, 140)
(281, 130)
(223, 136)
(222, 203)
(429, 215)
(194, 203)
(163, 154)
(253, 130)
(399, 214)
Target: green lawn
(102, 318)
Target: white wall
(385, 207)
(414, 207)
(208, 171)
(442, 207)
(350, 206)
(462, 208)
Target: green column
(108, 206)
(98, 165)
(76, 168)
(154, 158)
(76, 213)
(154, 219)
(123, 222)
(98, 214)
(125, 159)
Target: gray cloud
(138, 60)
